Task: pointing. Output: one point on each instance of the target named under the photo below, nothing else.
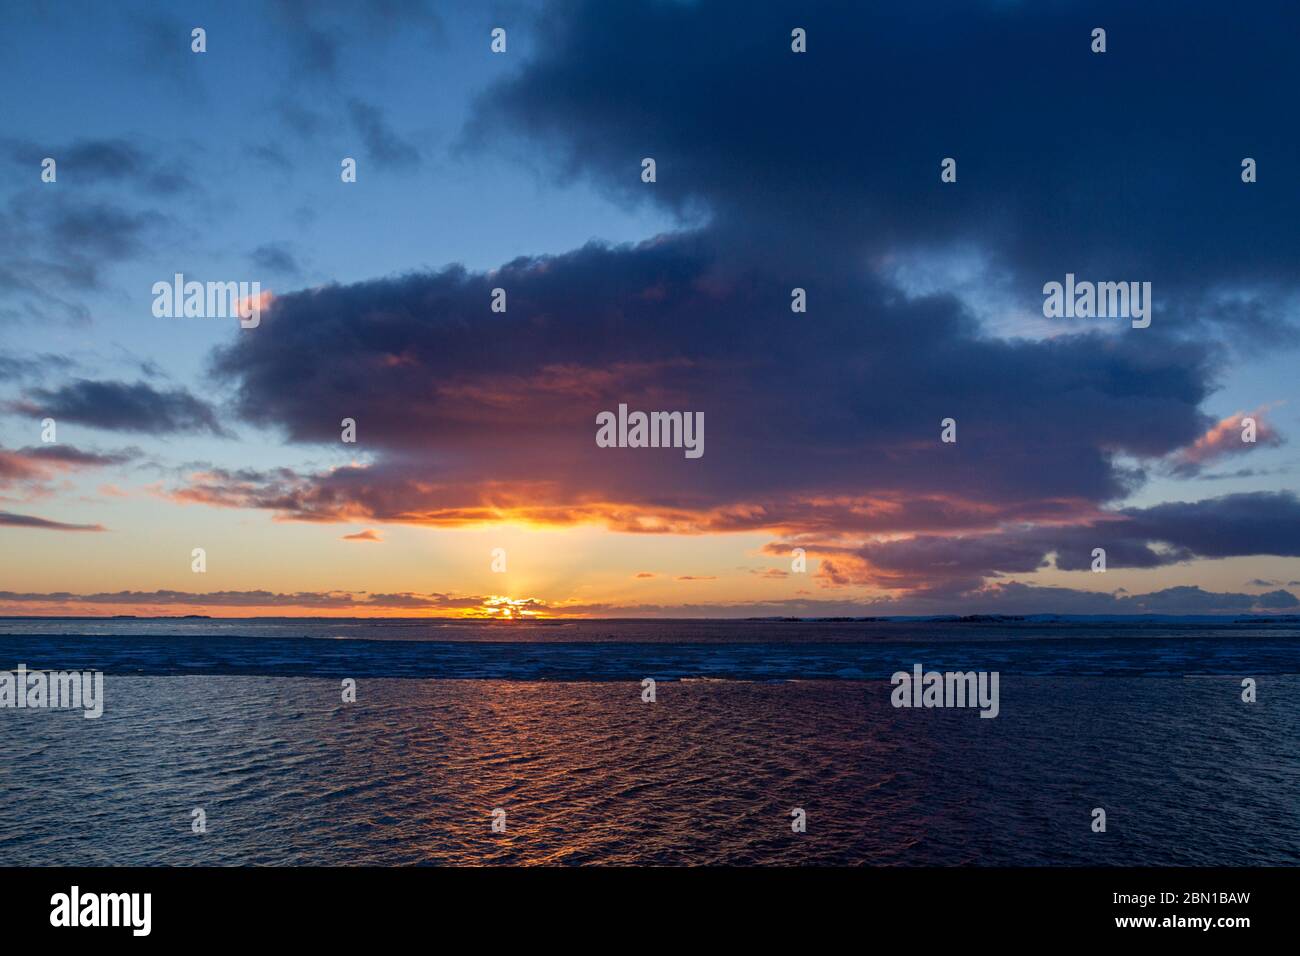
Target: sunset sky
(522, 170)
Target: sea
(293, 741)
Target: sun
(501, 608)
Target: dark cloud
(1015, 598)
(17, 367)
(95, 161)
(1008, 598)
(276, 257)
(320, 32)
(1239, 473)
(1068, 161)
(62, 246)
(76, 236)
(11, 520)
(487, 410)
(102, 231)
(163, 49)
(32, 469)
(383, 144)
(72, 457)
(119, 406)
(1277, 600)
(303, 120)
(68, 235)
(1230, 526)
(272, 156)
(1004, 598)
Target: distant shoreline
(1047, 618)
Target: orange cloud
(383, 493)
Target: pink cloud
(1226, 438)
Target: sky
(476, 485)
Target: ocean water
(752, 720)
